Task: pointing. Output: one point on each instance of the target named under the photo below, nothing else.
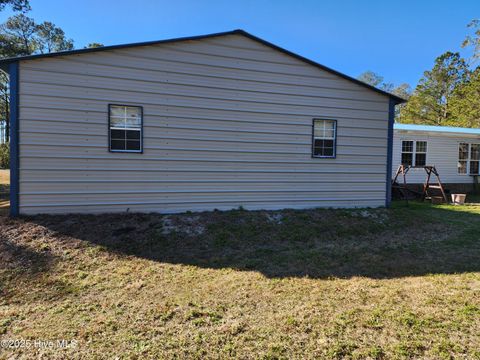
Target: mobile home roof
(436, 129)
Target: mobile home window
(468, 158)
(474, 158)
(125, 128)
(420, 153)
(324, 138)
(407, 153)
(414, 153)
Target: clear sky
(396, 39)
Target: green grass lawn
(366, 283)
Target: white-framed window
(125, 128)
(324, 141)
(414, 153)
(468, 158)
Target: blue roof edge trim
(439, 129)
(398, 100)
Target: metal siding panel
(269, 63)
(215, 137)
(197, 111)
(201, 206)
(73, 201)
(97, 73)
(168, 90)
(325, 107)
(115, 63)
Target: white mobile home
(200, 123)
(455, 152)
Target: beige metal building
(201, 123)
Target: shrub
(4, 156)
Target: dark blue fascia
(13, 70)
(391, 120)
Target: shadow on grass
(20, 262)
(22, 258)
(321, 243)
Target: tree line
(21, 35)
(446, 95)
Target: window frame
(468, 160)
(334, 156)
(407, 152)
(414, 151)
(110, 129)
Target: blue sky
(396, 39)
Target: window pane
(319, 124)
(463, 151)
(117, 111)
(133, 135)
(117, 121)
(328, 152)
(118, 145)
(406, 159)
(462, 167)
(420, 159)
(474, 167)
(133, 122)
(323, 151)
(319, 143)
(421, 147)
(117, 134)
(133, 145)
(475, 152)
(407, 146)
(463, 155)
(319, 131)
(329, 134)
(329, 124)
(133, 112)
(328, 143)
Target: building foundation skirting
(452, 188)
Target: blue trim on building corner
(391, 121)
(13, 70)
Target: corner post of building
(391, 120)
(13, 70)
